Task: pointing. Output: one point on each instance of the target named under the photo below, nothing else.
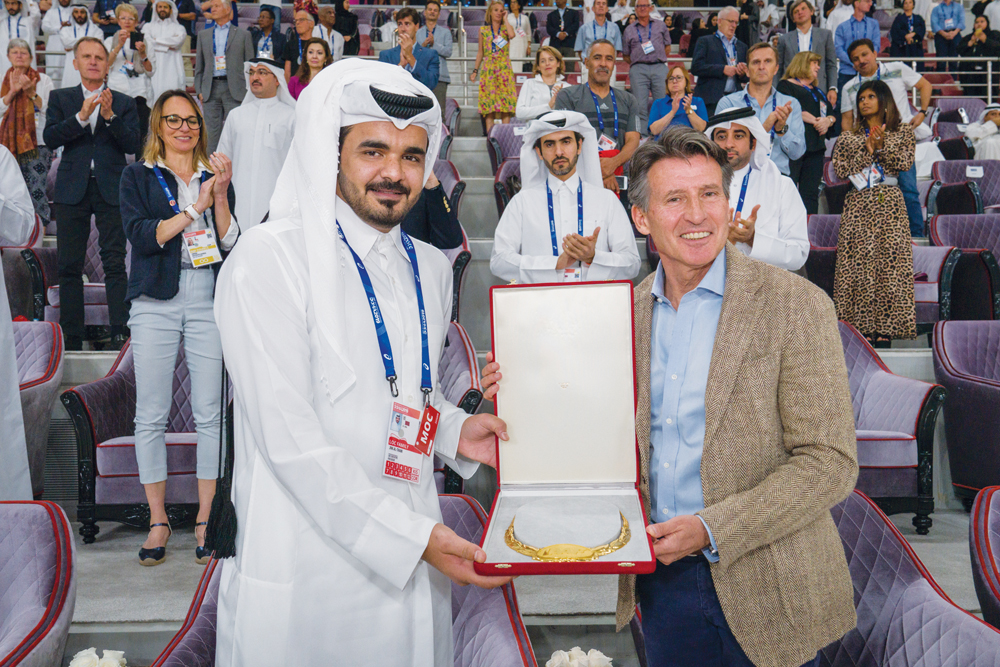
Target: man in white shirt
(332, 322)
(324, 30)
(166, 37)
(56, 18)
(257, 136)
(563, 226)
(768, 219)
(19, 22)
(840, 13)
(984, 133)
(80, 26)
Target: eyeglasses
(174, 122)
(675, 79)
(303, 21)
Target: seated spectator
(769, 219)
(588, 235)
(295, 44)
(780, 114)
(317, 57)
(982, 42)
(984, 133)
(769, 18)
(720, 63)
(907, 34)
(818, 116)
(172, 298)
(432, 219)
(701, 27)
(538, 95)
(614, 115)
(268, 42)
(948, 22)
(24, 99)
(679, 107)
(620, 11)
(423, 63)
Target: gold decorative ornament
(567, 553)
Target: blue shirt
(220, 35)
(443, 45)
(661, 108)
(681, 354)
(848, 32)
(792, 145)
(591, 32)
(954, 12)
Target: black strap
(220, 534)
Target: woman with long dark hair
(873, 282)
(982, 42)
(315, 57)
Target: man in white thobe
(336, 561)
(768, 216)
(80, 26)
(58, 17)
(20, 21)
(257, 136)
(164, 40)
(17, 220)
(584, 234)
(984, 133)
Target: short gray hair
(18, 44)
(728, 10)
(606, 42)
(677, 142)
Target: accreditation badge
(220, 63)
(573, 275)
(202, 248)
(411, 437)
(647, 47)
(499, 41)
(519, 32)
(606, 143)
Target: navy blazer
(708, 63)
(426, 71)
(106, 146)
(156, 271)
(571, 24)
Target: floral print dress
(496, 78)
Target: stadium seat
(967, 364)
(446, 143)
(948, 130)
(16, 276)
(945, 86)
(103, 416)
(459, 258)
(894, 417)
(34, 241)
(503, 143)
(452, 115)
(884, 19)
(506, 183)
(984, 549)
(950, 105)
(975, 290)
(956, 148)
(984, 173)
(487, 624)
(451, 182)
(458, 374)
(822, 260)
(37, 583)
(38, 347)
(835, 189)
(685, 43)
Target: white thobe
(17, 220)
(839, 14)
(51, 25)
(256, 137)
(333, 39)
(328, 562)
(69, 36)
(522, 247)
(780, 236)
(164, 40)
(985, 138)
(23, 27)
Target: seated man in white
(768, 216)
(984, 133)
(563, 226)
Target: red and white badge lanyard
(730, 49)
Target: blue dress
(661, 108)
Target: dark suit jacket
(278, 42)
(708, 63)
(428, 67)
(822, 44)
(571, 24)
(239, 49)
(106, 145)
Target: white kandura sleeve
(976, 131)
(617, 257)
(789, 248)
(17, 213)
(262, 321)
(507, 261)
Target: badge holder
(201, 247)
(568, 500)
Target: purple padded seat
(884, 19)
(955, 171)
(447, 141)
(894, 417)
(972, 105)
(904, 618)
(37, 583)
(451, 183)
(504, 142)
(835, 189)
(976, 283)
(967, 364)
(948, 131)
(38, 347)
(487, 624)
(458, 375)
(984, 547)
(452, 115)
(822, 260)
(459, 258)
(502, 184)
(103, 414)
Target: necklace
(568, 553)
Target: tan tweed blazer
(779, 452)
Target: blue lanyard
(214, 52)
(552, 215)
(265, 44)
(18, 26)
(729, 48)
(300, 48)
(909, 23)
(426, 386)
(166, 190)
(493, 43)
(774, 106)
(875, 165)
(86, 30)
(594, 30)
(600, 116)
(649, 32)
(820, 99)
(743, 193)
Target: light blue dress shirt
(791, 145)
(850, 31)
(955, 11)
(729, 46)
(681, 354)
(443, 45)
(590, 32)
(220, 35)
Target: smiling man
(746, 429)
(333, 325)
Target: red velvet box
(570, 471)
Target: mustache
(388, 186)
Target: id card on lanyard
(571, 274)
(498, 40)
(200, 245)
(647, 45)
(518, 30)
(220, 61)
(405, 445)
(730, 50)
(603, 142)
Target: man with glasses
(218, 69)
(304, 24)
(646, 43)
(437, 37)
(267, 41)
(720, 61)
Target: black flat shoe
(155, 556)
(201, 554)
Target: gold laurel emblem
(568, 553)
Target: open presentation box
(569, 474)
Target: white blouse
(120, 82)
(534, 97)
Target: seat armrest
(43, 266)
(893, 403)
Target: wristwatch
(782, 131)
(192, 212)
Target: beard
(565, 167)
(164, 15)
(382, 216)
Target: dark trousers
(807, 171)
(682, 621)
(947, 48)
(72, 233)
